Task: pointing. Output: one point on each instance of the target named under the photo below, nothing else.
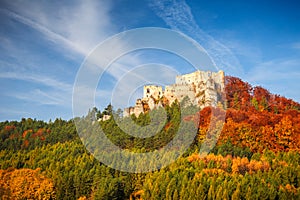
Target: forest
(257, 154)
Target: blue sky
(43, 44)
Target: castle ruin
(203, 88)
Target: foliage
(262, 177)
(256, 156)
(25, 184)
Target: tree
(254, 103)
(108, 110)
(25, 184)
(175, 195)
(211, 192)
(236, 194)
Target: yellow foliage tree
(25, 184)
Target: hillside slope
(257, 155)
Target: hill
(256, 157)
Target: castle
(203, 88)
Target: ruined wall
(138, 108)
(204, 88)
(169, 93)
(201, 76)
(128, 111)
(184, 90)
(153, 90)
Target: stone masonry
(203, 88)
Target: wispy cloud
(49, 34)
(10, 114)
(178, 15)
(53, 92)
(245, 50)
(77, 27)
(280, 76)
(73, 29)
(275, 70)
(39, 79)
(42, 97)
(296, 45)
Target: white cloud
(280, 76)
(249, 51)
(178, 15)
(36, 78)
(50, 92)
(275, 70)
(42, 97)
(73, 29)
(11, 113)
(296, 45)
(76, 28)
(50, 35)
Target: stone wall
(153, 91)
(204, 88)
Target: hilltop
(256, 156)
